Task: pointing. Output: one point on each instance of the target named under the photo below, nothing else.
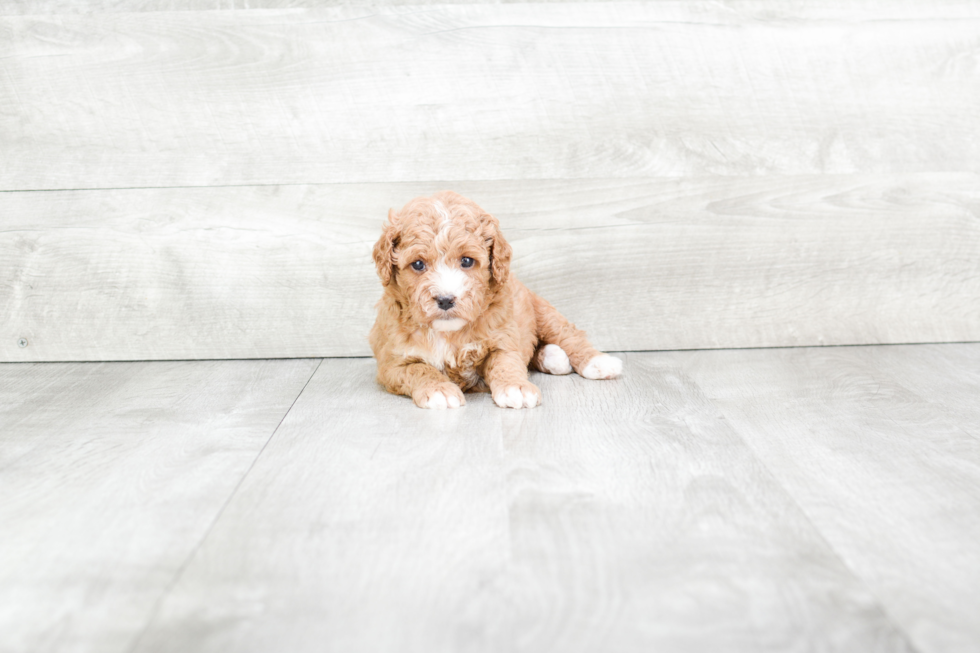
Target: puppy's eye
(418, 266)
(466, 262)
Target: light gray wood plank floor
(800, 499)
(881, 449)
(110, 476)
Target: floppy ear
(500, 250)
(384, 250)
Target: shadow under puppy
(453, 319)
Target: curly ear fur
(500, 250)
(384, 250)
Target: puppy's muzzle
(446, 302)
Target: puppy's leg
(427, 386)
(554, 329)
(506, 374)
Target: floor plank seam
(912, 648)
(217, 517)
(815, 346)
(610, 351)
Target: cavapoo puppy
(453, 319)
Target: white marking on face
(443, 213)
(449, 282)
(452, 324)
(442, 238)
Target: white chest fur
(442, 354)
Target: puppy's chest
(460, 362)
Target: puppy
(453, 319)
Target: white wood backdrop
(206, 184)
(286, 270)
(452, 92)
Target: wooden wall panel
(672, 174)
(805, 9)
(479, 92)
(641, 264)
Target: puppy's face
(442, 257)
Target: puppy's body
(453, 319)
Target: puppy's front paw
(525, 395)
(603, 366)
(444, 395)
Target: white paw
(555, 360)
(440, 400)
(530, 399)
(603, 366)
(513, 397)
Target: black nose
(445, 303)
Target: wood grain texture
(926, 372)
(640, 264)
(889, 477)
(367, 525)
(620, 516)
(640, 521)
(110, 475)
(808, 9)
(486, 91)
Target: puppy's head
(443, 257)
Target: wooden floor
(753, 500)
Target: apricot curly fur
(496, 327)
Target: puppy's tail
(554, 329)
